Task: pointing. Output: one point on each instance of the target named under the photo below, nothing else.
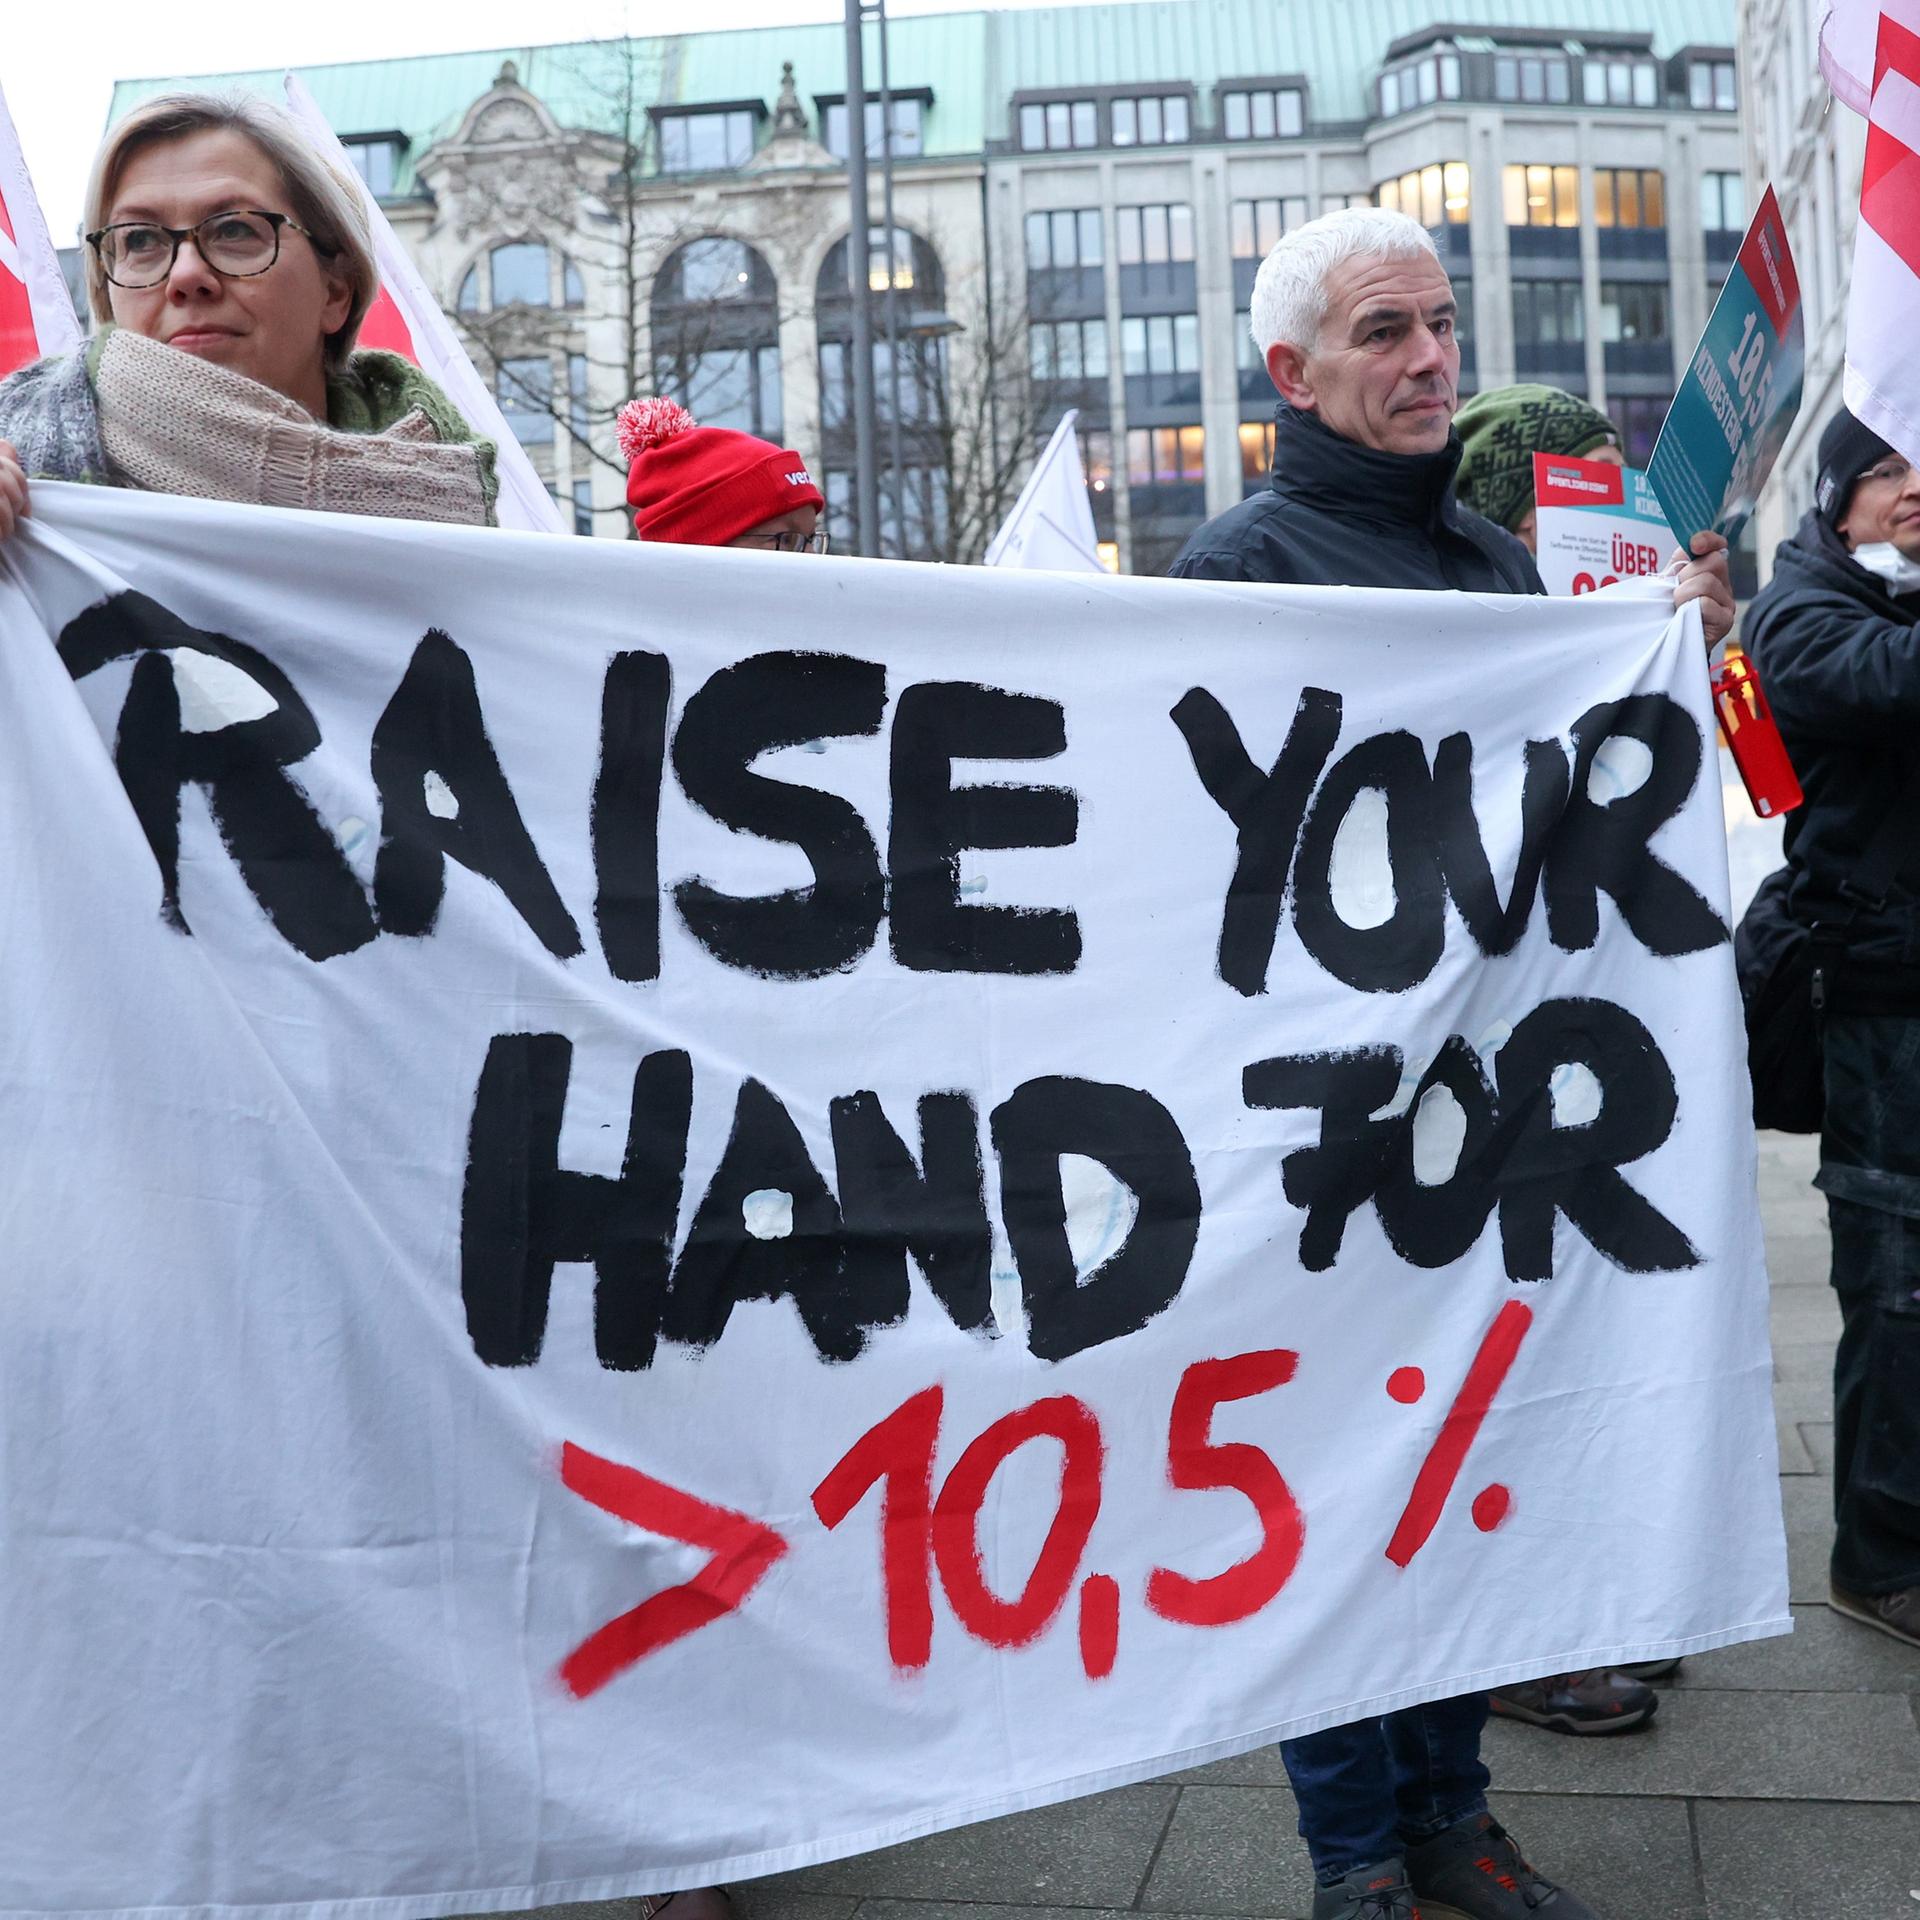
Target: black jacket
(1839, 657)
(1337, 514)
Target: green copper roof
(973, 62)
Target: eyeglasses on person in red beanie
(713, 487)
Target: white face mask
(1893, 566)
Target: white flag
(36, 313)
(1051, 525)
(1871, 57)
(407, 320)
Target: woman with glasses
(713, 487)
(229, 269)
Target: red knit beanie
(704, 486)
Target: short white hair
(1290, 290)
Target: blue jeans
(1371, 1790)
(1870, 1173)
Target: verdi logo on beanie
(703, 486)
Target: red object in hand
(1753, 738)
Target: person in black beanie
(1836, 637)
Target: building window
(1166, 456)
(1534, 79)
(1256, 455)
(1629, 197)
(1546, 313)
(1435, 196)
(1263, 113)
(583, 507)
(1059, 125)
(469, 296)
(1639, 418)
(376, 162)
(1619, 80)
(715, 269)
(1419, 83)
(922, 370)
(578, 418)
(1166, 343)
(1067, 237)
(706, 142)
(1723, 203)
(1542, 196)
(905, 141)
(1068, 349)
(521, 275)
(1710, 86)
(1153, 236)
(1257, 225)
(737, 387)
(524, 389)
(1632, 310)
(1154, 120)
(1096, 461)
(1333, 202)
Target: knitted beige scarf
(173, 423)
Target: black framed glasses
(236, 244)
(786, 542)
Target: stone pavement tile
(1823, 1654)
(1627, 1858)
(1232, 1850)
(965, 1910)
(1807, 1562)
(1818, 1434)
(1806, 1502)
(779, 1900)
(1085, 1853)
(1804, 1399)
(1804, 1316)
(1829, 1746)
(1794, 1454)
(580, 1910)
(1803, 1360)
(1260, 1768)
(1797, 1260)
(1788, 1862)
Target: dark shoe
(694, 1903)
(1474, 1871)
(1650, 1669)
(1368, 1893)
(1592, 1702)
(1897, 1614)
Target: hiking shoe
(1596, 1701)
(1473, 1871)
(1897, 1614)
(1649, 1669)
(1368, 1893)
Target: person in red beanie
(713, 487)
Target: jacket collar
(1817, 551)
(1317, 467)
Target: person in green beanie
(1500, 432)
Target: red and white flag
(407, 320)
(36, 312)
(1870, 54)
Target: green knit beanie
(1500, 432)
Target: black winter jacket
(1337, 514)
(1839, 656)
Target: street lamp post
(865, 493)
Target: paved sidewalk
(1780, 1782)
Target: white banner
(671, 1212)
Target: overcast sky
(58, 66)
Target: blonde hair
(325, 204)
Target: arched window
(909, 383)
(469, 301)
(716, 335)
(521, 276)
(574, 291)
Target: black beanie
(1847, 449)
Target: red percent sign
(1441, 1468)
(922, 1535)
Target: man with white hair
(1355, 317)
